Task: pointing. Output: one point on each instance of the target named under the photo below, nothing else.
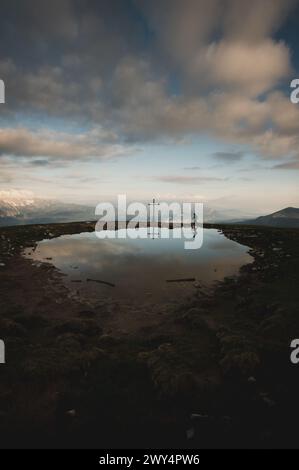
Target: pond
(154, 268)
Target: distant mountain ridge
(288, 218)
(22, 210)
(18, 211)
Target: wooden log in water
(101, 282)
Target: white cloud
(61, 145)
(251, 68)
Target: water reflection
(140, 268)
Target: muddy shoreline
(213, 371)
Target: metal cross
(154, 203)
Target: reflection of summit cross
(154, 203)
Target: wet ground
(212, 370)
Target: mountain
(220, 215)
(21, 211)
(288, 217)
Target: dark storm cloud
(58, 57)
(44, 31)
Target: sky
(177, 99)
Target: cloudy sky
(178, 99)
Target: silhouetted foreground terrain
(212, 372)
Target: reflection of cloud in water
(93, 253)
(143, 265)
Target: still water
(138, 269)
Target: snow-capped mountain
(20, 207)
(13, 202)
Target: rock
(190, 433)
(197, 284)
(268, 401)
(143, 356)
(251, 380)
(107, 340)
